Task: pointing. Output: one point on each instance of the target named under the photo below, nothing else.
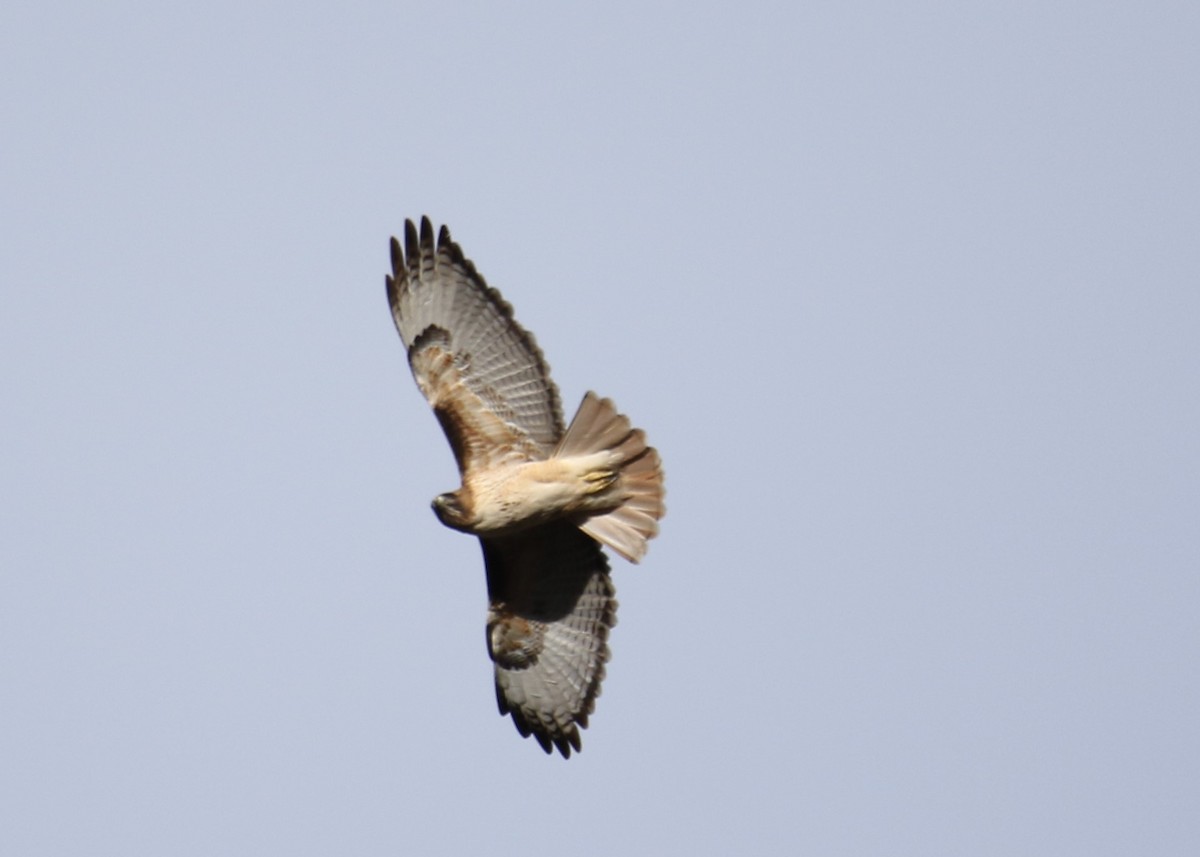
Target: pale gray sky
(907, 296)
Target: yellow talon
(600, 479)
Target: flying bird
(541, 498)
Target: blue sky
(905, 295)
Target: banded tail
(597, 427)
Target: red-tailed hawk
(541, 499)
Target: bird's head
(449, 510)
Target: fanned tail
(597, 427)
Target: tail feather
(597, 427)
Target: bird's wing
(482, 372)
(551, 607)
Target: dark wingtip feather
(412, 243)
(397, 258)
(426, 234)
(398, 275)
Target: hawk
(541, 498)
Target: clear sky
(907, 296)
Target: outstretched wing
(482, 372)
(552, 605)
